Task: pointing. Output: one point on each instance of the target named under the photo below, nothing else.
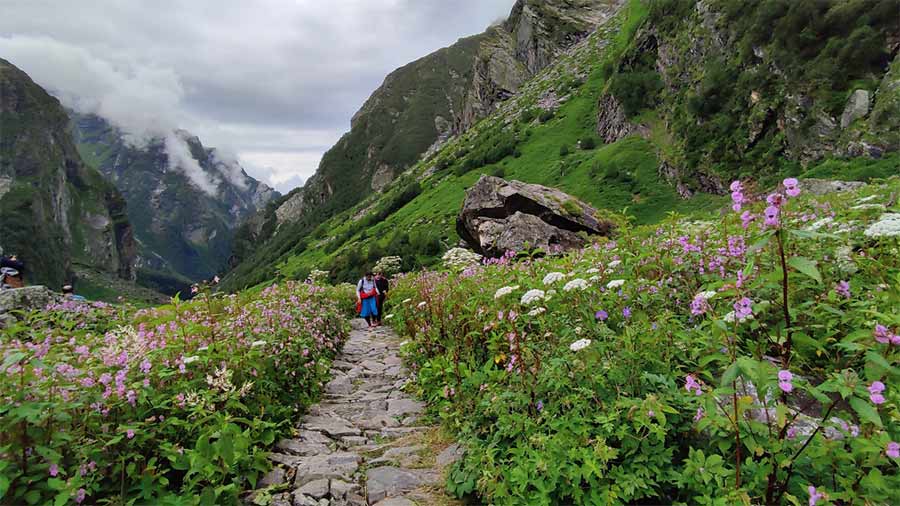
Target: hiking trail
(362, 445)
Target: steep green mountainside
(184, 232)
(651, 114)
(418, 108)
(56, 213)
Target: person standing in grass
(381, 283)
(366, 295)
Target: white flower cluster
(729, 318)
(580, 344)
(389, 265)
(575, 284)
(888, 225)
(532, 296)
(537, 311)
(460, 258)
(506, 290)
(318, 277)
(616, 283)
(706, 295)
(553, 277)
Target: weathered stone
(341, 489)
(273, 477)
(302, 448)
(280, 458)
(339, 465)
(498, 216)
(450, 455)
(399, 407)
(857, 107)
(825, 186)
(30, 298)
(340, 385)
(316, 489)
(388, 481)
(331, 425)
(395, 501)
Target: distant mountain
(56, 213)
(184, 200)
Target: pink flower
(843, 289)
(814, 496)
(691, 384)
(893, 450)
(79, 496)
(54, 470)
(784, 381)
(129, 433)
(771, 214)
(792, 187)
(882, 334)
(746, 218)
(700, 414)
(875, 390)
(743, 308)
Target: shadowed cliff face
(54, 210)
(184, 212)
(421, 105)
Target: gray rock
(30, 298)
(450, 455)
(340, 385)
(281, 500)
(498, 216)
(826, 186)
(274, 477)
(287, 460)
(401, 407)
(857, 107)
(332, 425)
(303, 500)
(339, 465)
(341, 489)
(383, 482)
(302, 448)
(316, 489)
(395, 501)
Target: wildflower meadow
(748, 359)
(173, 405)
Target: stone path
(363, 444)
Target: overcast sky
(273, 81)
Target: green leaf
(865, 410)
(730, 374)
(4, 485)
(806, 266)
(12, 358)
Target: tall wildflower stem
(786, 347)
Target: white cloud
(180, 158)
(262, 78)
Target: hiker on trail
(69, 293)
(11, 271)
(381, 283)
(366, 294)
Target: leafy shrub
(173, 405)
(745, 360)
(588, 143)
(528, 116)
(546, 116)
(564, 150)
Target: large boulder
(857, 107)
(30, 298)
(499, 216)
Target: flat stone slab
(395, 501)
(389, 481)
(340, 465)
(316, 489)
(331, 425)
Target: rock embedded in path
(389, 481)
(499, 216)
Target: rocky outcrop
(54, 210)
(30, 298)
(499, 216)
(612, 124)
(857, 107)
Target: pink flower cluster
(884, 336)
